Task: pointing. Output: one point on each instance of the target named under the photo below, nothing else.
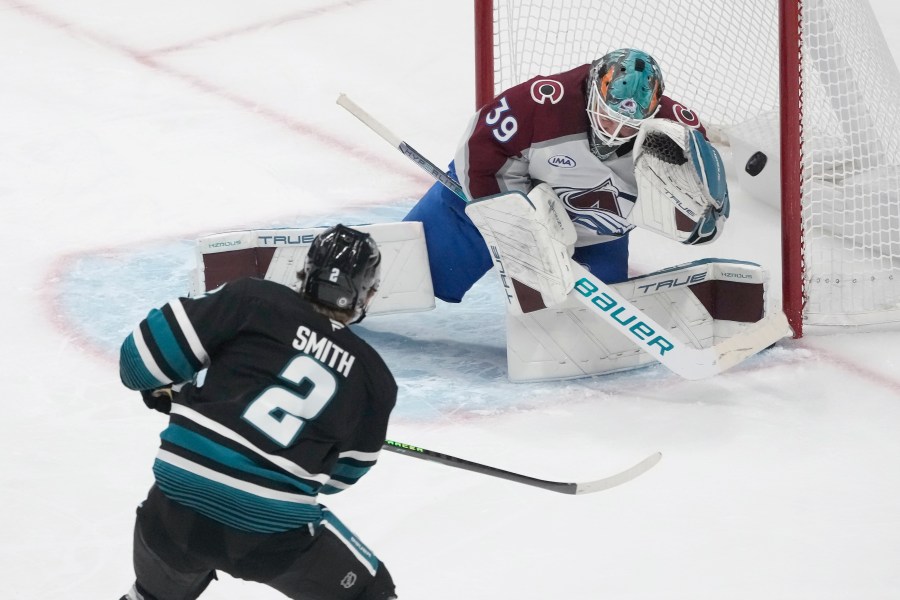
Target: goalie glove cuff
(710, 171)
(707, 229)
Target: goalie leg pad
(566, 342)
(278, 254)
(700, 303)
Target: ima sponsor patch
(562, 161)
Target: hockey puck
(756, 163)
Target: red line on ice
(239, 31)
(147, 60)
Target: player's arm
(349, 468)
(492, 157)
(359, 453)
(175, 342)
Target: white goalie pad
(277, 255)
(531, 240)
(700, 303)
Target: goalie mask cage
(813, 80)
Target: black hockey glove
(159, 399)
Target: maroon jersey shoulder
(676, 111)
(558, 104)
(541, 109)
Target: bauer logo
(562, 161)
(627, 319)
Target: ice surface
(130, 129)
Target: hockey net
(839, 131)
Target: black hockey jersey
(291, 403)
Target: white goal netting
(722, 59)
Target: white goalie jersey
(536, 132)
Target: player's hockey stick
(587, 487)
(608, 304)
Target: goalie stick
(587, 487)
(604, 301)
(407, 150)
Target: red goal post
(810, 82)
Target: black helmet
(341, 268)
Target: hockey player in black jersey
(281, 401)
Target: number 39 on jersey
(504, 127)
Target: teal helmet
(625, 87)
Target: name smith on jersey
(323, 350)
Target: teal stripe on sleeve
(132, 371)
(168, 345)
(349, 473)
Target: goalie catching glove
(682, 191)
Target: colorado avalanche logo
(546, 90)
(602, 209)
(627, 106)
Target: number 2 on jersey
(280, 412)
(508, 126)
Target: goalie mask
(624, 88)
(341, 270)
